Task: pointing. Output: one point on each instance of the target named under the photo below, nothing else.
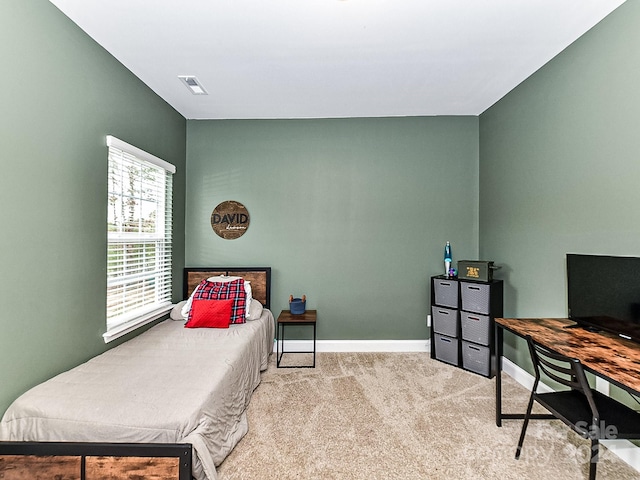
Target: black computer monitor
(604, 293)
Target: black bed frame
(30, 460)
(93, 461)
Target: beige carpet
(399, 416)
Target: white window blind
(139, 237)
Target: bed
(168, 404)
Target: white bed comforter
(168, 385)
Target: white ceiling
(334, 58)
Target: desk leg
(499, 335)
(499, 338)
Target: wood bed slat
(195, 277)
(258, 284)
(149, 468)
(30, 467)
(260, 278)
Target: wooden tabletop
(603, 353)
(308, 316)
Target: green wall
(560, 167)
(61, 94)
(354, 213)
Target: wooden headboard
(260, 278)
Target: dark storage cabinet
(462, 322)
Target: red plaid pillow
(233, 290)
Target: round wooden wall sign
(230, 220)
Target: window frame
(160, 240)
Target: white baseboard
(359, 345)
(624, 449)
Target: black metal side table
(308, 318)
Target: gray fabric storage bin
(446, 349)
(445, 321)
(475, 327)
(475, 297)
(446, 292)
(476, 358)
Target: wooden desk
(604, 354)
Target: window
(138, 238)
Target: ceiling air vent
(193, 84)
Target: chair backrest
(560, 368)
(565, 370)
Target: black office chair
(589, 413)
